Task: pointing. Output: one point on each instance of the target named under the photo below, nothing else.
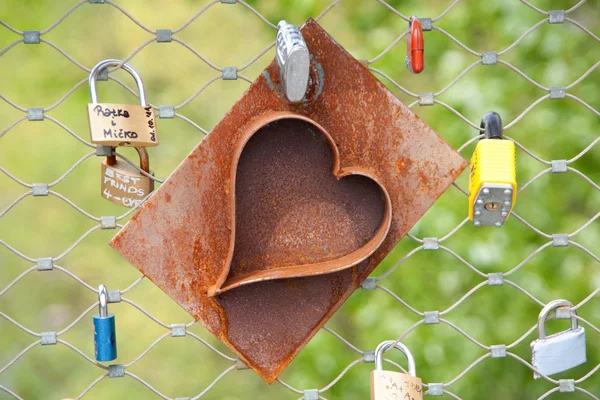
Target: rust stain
(402, 165)
(246, 202)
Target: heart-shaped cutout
(297, 212)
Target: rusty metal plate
(276, 217)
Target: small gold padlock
(123, 184)
(389, 385)
(120, 124)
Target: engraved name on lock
(120, 124)
(390, 385)
(123, 184)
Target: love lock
(561, 351)
(280, 213)
(493, 176)
(415, 46)
(105, 336)
(120, 124)
(293, 61)
(122, 183)
(395, 385)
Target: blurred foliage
(38, 76)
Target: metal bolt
(477, 212)
(479, 201)
(498, 224)
(506, 203)
(477, 223)
(486, 191)
(507, 192)
(504, 213)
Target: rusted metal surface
(297, 213)
(261, 197)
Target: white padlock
(561, 351)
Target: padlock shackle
(492, 123)
(388, 345)
(552, 306)
(144, 159)
(103, 301)
(115, 63)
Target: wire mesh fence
(401, 318)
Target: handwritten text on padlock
(122, 124)
(126, 189)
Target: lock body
(122, 125)
(492, 182)
(105, 337)
(559, 352)
(293, 60)
(395, 385)
(415, 46)
(123, 184)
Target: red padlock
(415, 46)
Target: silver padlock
(293, 61)
(395, 385)
(561, 351)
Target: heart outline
(296, 271)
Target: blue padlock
(105, 336)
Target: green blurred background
(230, 35)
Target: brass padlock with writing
(390, 385)
(121, 124)
(124, 184)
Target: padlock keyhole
(493, 206)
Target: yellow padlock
(121, 124)
(123, 184)
(395, 385)
(493, 176)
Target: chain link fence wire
(404, 319)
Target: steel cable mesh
(373, 283)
